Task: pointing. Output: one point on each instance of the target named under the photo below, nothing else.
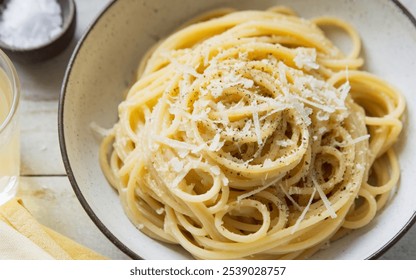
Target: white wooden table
(45, 187)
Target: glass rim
(14, 79)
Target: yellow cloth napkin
(22, 237)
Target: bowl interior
(106, 59)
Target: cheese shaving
(302, 215)
(324, 198)
(176, 164)
(216, 144)
(257, 129)
(255, 191)
(174, 143)
(306, 58)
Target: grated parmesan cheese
(199, 148)
(302, 215)
(360, 167)
(344, 89)
(306, 58)
(225, 181)
(257, 126)
(176, 164)
(217, 86)
(160, 211)
(255, 191)
(183, 152)
(325, 200)
(267, 162)
(185, 69)
(285, 143)
(290, 197)
(354, 141)
(323, 107)
(359, 139)
(216, 144)
(180, 176)
(215, 170)
(174, 143)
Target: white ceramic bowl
(103, 65)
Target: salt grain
(30, 23)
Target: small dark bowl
(51, 48)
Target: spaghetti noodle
(249, 134)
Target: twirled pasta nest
(251, 135)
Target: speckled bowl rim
(84, 202)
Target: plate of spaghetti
(225, 130)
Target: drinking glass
(9, 129)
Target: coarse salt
(28, 24)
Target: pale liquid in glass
(9, 143)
